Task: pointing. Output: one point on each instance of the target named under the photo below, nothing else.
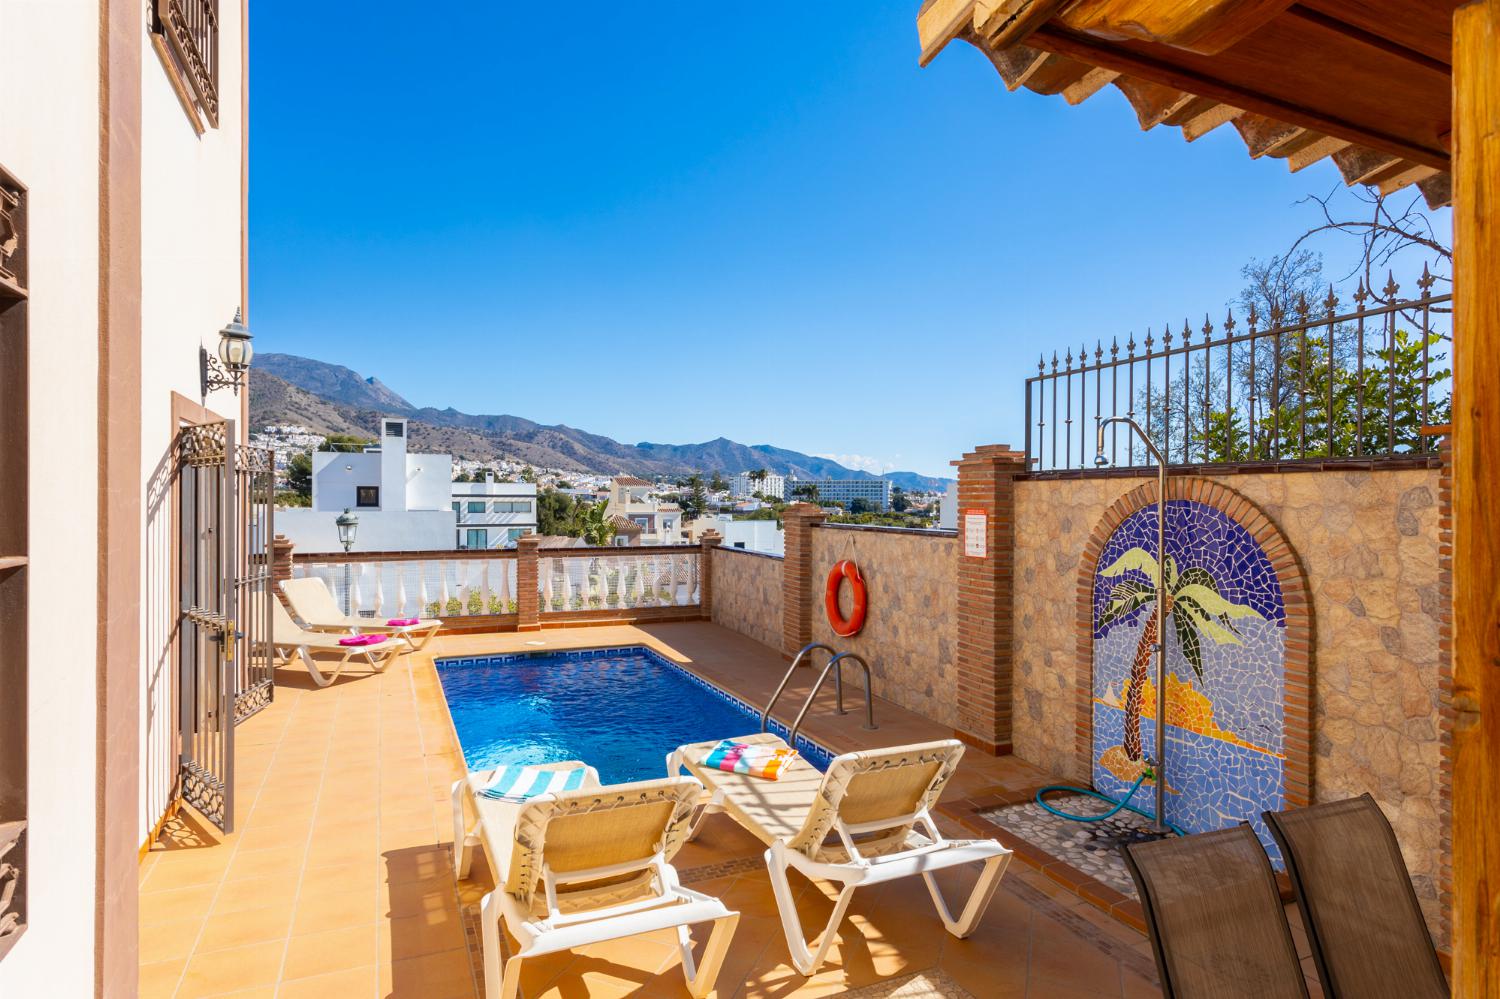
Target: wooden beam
(1201, 124)
(1476, 499)
(1153, 103)
(1437, 189)
(1264, 135)
(1401, 174)
(939, 23)
(1130, 62)
(1358, 164)
(1009, 22)
(1015, 65)
(1319, 148)
(1088, 85)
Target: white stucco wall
(190, 288)
(49, 138)
(378, 530)
(337, 475)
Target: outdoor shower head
(1099, 458)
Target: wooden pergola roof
(1365, 83)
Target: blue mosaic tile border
(818, 756)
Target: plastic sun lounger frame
(288, 642)
(314, 604)
(874, 802)
(611, 877)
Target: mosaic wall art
(1226, 667)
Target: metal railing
(1321, 387)
(835, 665)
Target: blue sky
(673, 223)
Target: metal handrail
(834, 665)
(765, 716)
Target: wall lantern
(347, 523)
(235, 351)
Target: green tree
(299, 476)
(556, 514)
(899, 502)
(860, 505)
(345, 442)
(717, 483)
(805, 491)
(595, 525)
(694, 498)
(528, 474)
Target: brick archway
(1296, 665)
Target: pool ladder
(835, 666)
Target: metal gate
(205, 638)
(255, 489)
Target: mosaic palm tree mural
(1225, 644)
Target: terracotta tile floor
(338, 880)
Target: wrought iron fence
(1324, 386)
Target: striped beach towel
(522, 782)
(755, 761)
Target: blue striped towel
(522, 782)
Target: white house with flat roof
(403, 500)
(493, 514)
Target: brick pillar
(709, 540)
(281, 561)
(528, 609)
(986, 489)
(797, 571)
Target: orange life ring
(843, 627)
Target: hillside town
(404, 500)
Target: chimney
(489, 476)
(392, 464)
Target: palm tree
(1193, 605)
(594, 527)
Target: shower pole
(1159, 822)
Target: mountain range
(333, 399)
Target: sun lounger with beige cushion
(289, 640)
(581, 867)
(864, 822)
(314, 604)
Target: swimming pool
(620, 710)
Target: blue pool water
(619, 710)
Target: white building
(743, 485)
(493, 514)
(632, 499)
(121, 219)
(404, 501)
(764, 536)
(876, 492)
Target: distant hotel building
(876, 492)
(743, 486)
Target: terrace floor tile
(339, 882)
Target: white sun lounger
(582, 867)
(312, 602)
(864, 822)
(289, 641)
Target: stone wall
(747, 594)
(1368, 545)
(910, 630)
